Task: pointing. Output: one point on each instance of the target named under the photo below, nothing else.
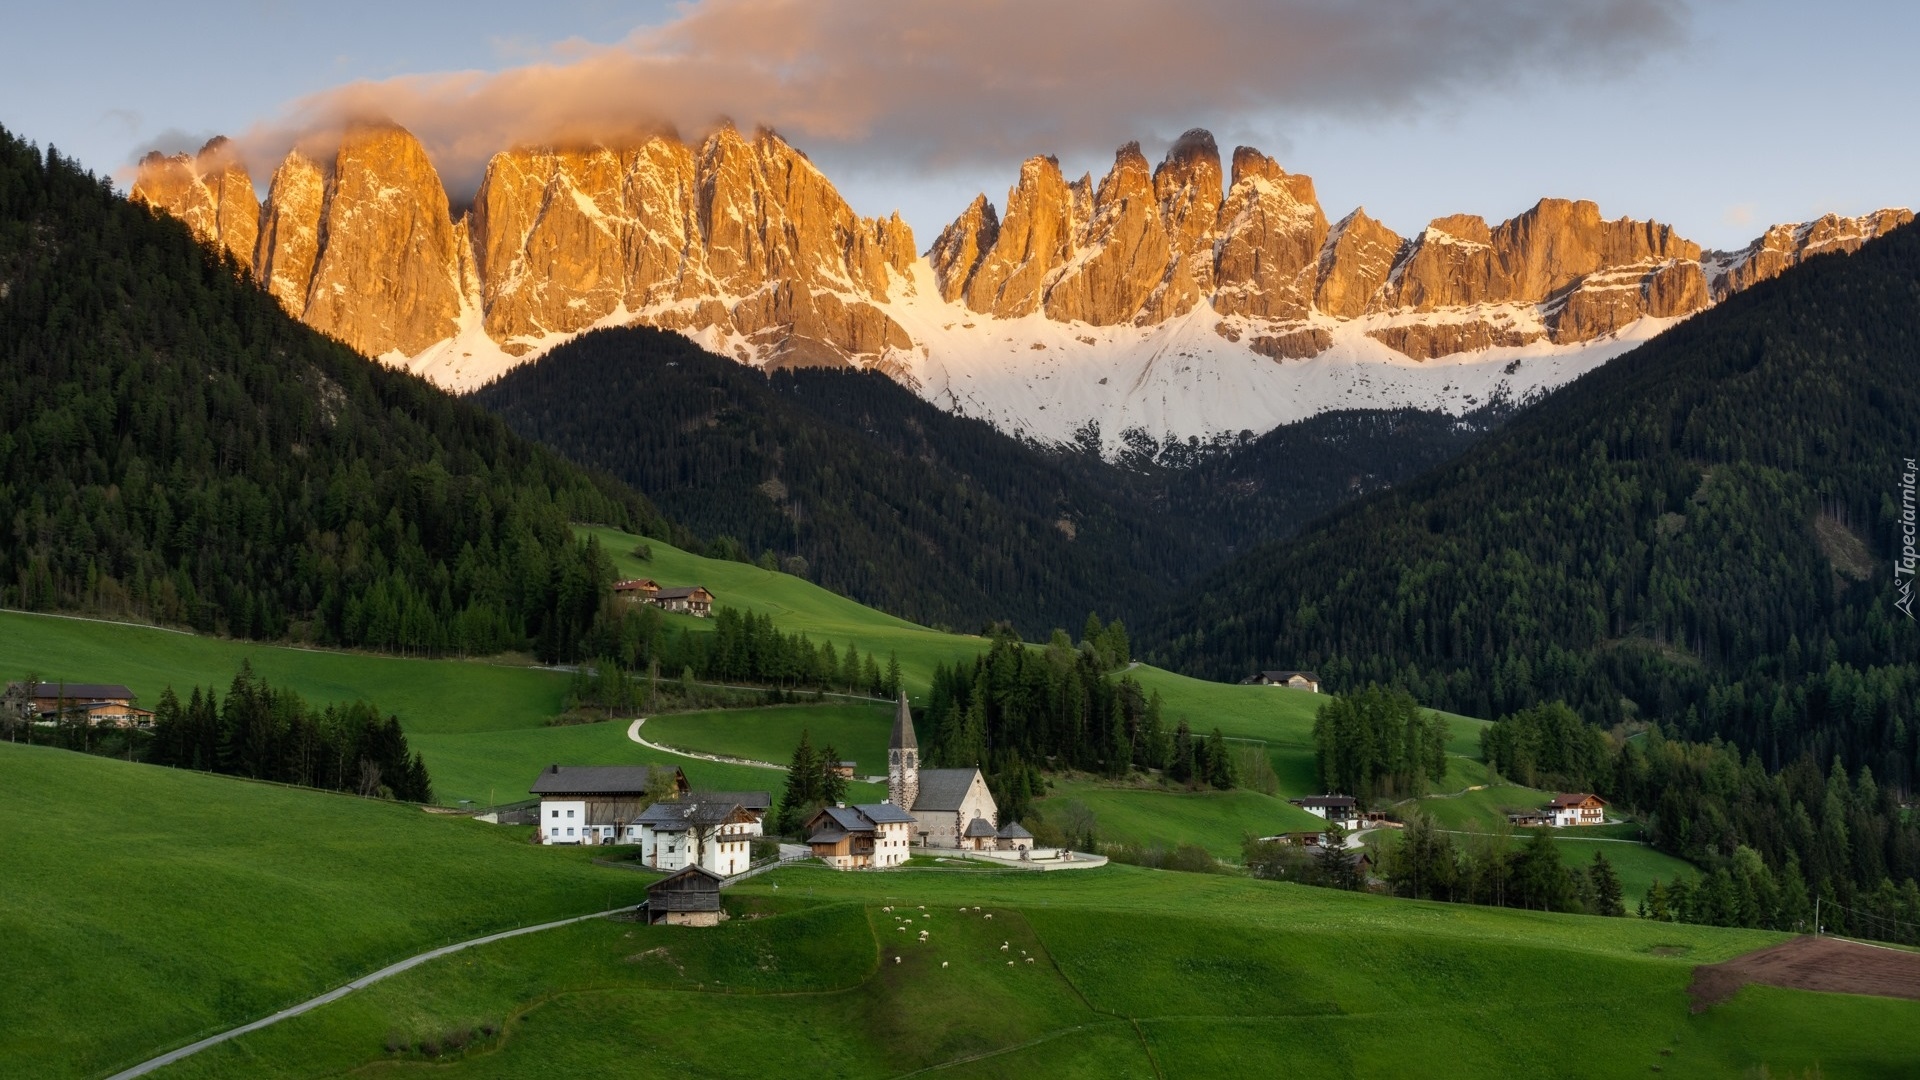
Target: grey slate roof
(595, 779)
(757, 801)
(1015, 831)
(903, 737)
(81, 691)
(679, 592)
(979, 827)
(885, 814)
(670, 815)
(943, 789)
(1283, 676)
(848, 818)
(832, 834)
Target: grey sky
(1719, 116)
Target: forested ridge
(1699, 533)
(174, 447)
(930, 516)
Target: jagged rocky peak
(210, 191)
(386, 276)
(1355, 263)
(1187, 185)
(1783, 246)
(289, 240)
(743, 235)
(1271, 233)
(957, 251)
(1034, 240)
(1120, 252)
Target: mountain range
(1193, 299)
(1707, 532)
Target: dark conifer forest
(939, 518)
(174, 447)
(1701, 533)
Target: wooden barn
(688, 898)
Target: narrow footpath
(339, 992)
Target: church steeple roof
(903, 737)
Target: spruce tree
(1608, 897)
(802, 795)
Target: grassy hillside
(1136, 973)
(797, 605)
(857, 731)
(144, 905)
(439, 696)
(1216, 820)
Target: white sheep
(1029, 959)
(943, 963)
(989, 915)
(896, 959)
(1003, 948)
(1009, 963)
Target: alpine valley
(1197, 299)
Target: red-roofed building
(1577, 809)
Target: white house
(716, 834)
(1576, 809)
(868, 835)
(596, 804)
(1340, 809)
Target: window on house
(553, 813)
(569, 813)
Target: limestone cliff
(1150, 248)
(387, 276)
(209, 191)
(741, 240)
(1783, 246)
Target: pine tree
(833, 786)
(1608, 897)
(802, 795)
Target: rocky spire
(903, 759)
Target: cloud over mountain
(926, 85)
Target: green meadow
(143, 907)
(1133, 973)
(427, 695)
(1158, 817)
(858, 732)
(797, 606)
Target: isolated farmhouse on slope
(1340, 809)
(1293, 680)
(684, 599)
(97, 704)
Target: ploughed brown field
(1811, 963)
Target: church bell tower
(903, 759)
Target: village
(703, 839)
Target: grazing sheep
(943, 963)
(989, 915)
(1029, 959)
(896, 959)
(1009, 963)
(1003, 948)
